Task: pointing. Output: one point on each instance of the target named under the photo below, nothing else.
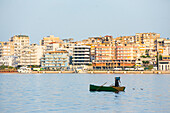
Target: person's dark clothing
(116, 83)
(117, 79)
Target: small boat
(106, 88)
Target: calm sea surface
(69, 93)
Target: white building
(31, 55)
(164, 64)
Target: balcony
(81, 50)
(81, 53)
(80, 59)
(82, 56)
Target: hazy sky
(80, 19)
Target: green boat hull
(106, 88)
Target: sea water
(69, 93)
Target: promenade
(108, 72)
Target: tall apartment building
(17, 43)
(104, 57)
(81, 56)
(109, 57)
(54, 60)
(5, 48)
(127, 52)
(31, 55)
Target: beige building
(145, 42)
(49, 39)
(30, 55)
(163, 46)
(5, 48)
(17, 42)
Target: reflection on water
(70, 93)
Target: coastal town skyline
(73, 39)
(141, 51)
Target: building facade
(81, 56)
(164, 64)
(54, 60)
(31, 55)
(5, 49)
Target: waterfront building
(8, 61)
(54, 60)
(105, 57)
(81, 56)
(127, 52)
(5, 48)
(148, 61)
(109, 57)
(31, 55)
(164, 64)
(17, 43)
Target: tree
(143, 56)
(160, 57)
(2, 66)
(148, 56)
(147, 62)
(143, 62)
(150, 67)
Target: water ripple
(69, 93)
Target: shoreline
(94, 72)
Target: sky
(80, 19)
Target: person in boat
(117, 81)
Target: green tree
(147, 62)
(160, 57)
(150, 67)
(143, 56)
